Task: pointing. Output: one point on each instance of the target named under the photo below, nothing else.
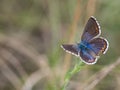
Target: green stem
(69, 74)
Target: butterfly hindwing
(99, 45)
(92, 30)
(88, 56)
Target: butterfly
(91, 45)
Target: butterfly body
(85, 45)
(91, 45)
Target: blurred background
(32, 31)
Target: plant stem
(70, 73)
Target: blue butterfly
(91, 45)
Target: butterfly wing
(73, 49)
(99, 45)
(88, 56)
(96, 47)
(92, 30)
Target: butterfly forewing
(92, 30)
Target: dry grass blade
(94, 80)
(72, 34)
(13, 61)
(91, 7)
(17, 45)
(33, 79)
(45, 71)
(10, 75)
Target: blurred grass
(31, 32)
